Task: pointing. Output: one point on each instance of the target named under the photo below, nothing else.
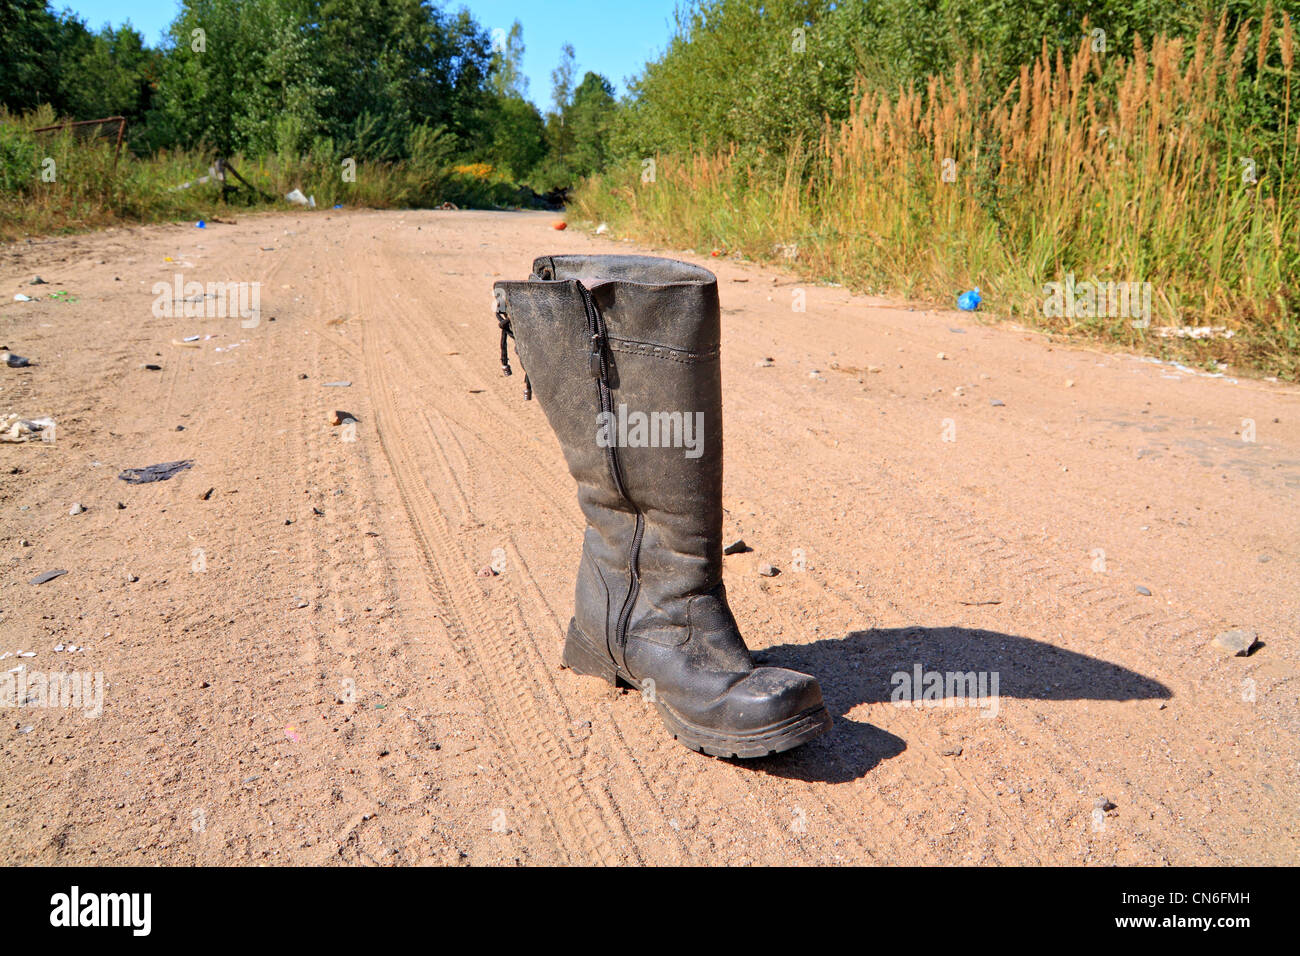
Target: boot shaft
(658, 328)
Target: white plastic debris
(298, 198)
(14, 429)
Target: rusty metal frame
(121, 130)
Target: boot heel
(581, 658)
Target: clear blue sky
(612, 37)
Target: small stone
(997, 403)
(302, 375)
(1265, 558)
(1103, 804)
(953, 751)
(764, 363)
(486, 572)
(1069, 383)
(1235, 643)
(737, 547)
(121, 506)
(132, 578)
(767, 570)
(300, 603)
(1143, 591)
(77, 509)
(875, 368)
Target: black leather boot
(622, 353)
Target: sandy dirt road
(307, 667)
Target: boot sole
(581, 658)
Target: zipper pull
(596, 358)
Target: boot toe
(769, 696)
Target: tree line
(378, 80)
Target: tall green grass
(1145, 167)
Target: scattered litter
(200, 225)
(765, 363)
(1195, 332)
(344, 418)
(77, 509)
(207, 494)
(191, 338)
(160, 472)
(981, 603)
(958, 331)
(737, 547)
(1235, 643)
(997, 402)
(1146, 592)
(47, 576)
(942, 356)
(14, 361)
(1103, 804)
(602, 229)
(186, 344)
(560, 225)
(969, 301)
(153, 368)
(14, 429)
(38, 281)
(63, 296)
(768, 571)
(23, 298)
(338, 385)
(299, 199)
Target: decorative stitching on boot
(633, 347)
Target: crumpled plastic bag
(160, 472)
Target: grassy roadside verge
(1146, 173)
(60, 182)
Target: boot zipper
(600, 371)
